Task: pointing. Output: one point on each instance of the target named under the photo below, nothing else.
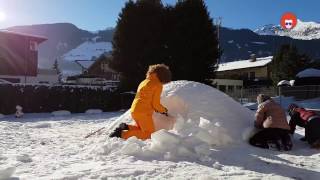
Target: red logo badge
(288, 21)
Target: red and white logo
(288, 20)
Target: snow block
(24, 158)
(61, 113)
(93, 111)
(131, 149)
(165, 137)
(6, 173)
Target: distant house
(254, 72)
(96, 72)
(100, 68)
(84, 64)
(78, 60)
(18, 56)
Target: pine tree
(193, 43)
(288, 62)
(138, 41)
(182, 37)
(56, 67)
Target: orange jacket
(148, 95)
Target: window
(33, 46)
(252, 75)
(104, 67)
(222, 88)
(230, 88)
(239, 87)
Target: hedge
(44, 98)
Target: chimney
(253, 58)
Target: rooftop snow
(311, 72)
(85, 64)
(242, 64)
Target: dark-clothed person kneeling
(308, 120)
(272, 124)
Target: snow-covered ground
(206, 143)
(46, 147)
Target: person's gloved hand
(165, 112)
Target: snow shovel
(90, 134)
(112, 126)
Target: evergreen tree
(193, 43)
(138, 41)
(288, 62)
(182, 37)
(56, 67)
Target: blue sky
(99, 14)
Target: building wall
(16, 55)
(228, 85)
(260, 73)
(40, 78)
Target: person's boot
(124, 126)
(116, 133)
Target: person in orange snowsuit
(147, 100)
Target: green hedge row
(41, 98)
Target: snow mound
(40, 125)
(61, 113)
(94, 111)
(25, 158)
(1, 116)
(201, 117)
(6, 173)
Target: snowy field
(207, 141)
(45, 147)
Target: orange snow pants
(143, 129)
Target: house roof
(39, 38)
(242, 64)
(85, 63)
(311, 72)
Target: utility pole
(218, 22)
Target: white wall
(51, 79)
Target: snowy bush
(6, 173)
(61, 113)
(94, 111)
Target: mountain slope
(303, 30)
(239, 44)
(235, 43)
